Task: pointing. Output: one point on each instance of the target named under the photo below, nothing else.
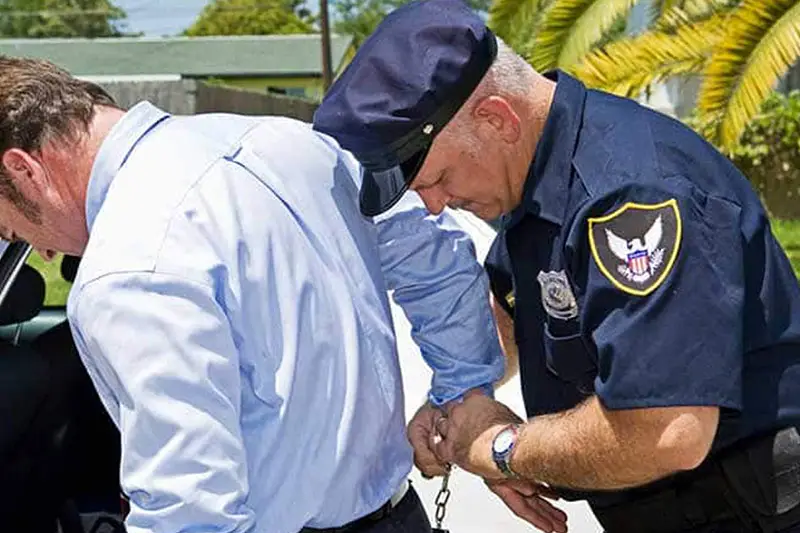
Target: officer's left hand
(468, 432)
(527, 501)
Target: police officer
(656, 317)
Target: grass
(787, 232)
(57, 288)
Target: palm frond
(571, 27)
(659, 7)
(504, 17)
(761, 42)
(516, 21)
(690, 12)
(627, 66)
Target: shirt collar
(547, 185)
(114, 151)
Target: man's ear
(495, 116)
(18, 163)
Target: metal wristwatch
(502, 448)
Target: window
(296, 92)
(56, 287)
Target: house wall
(309, 87)
(300, 87)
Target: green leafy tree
(769, 155)
(359, 18)
(252, 17)
(59, 18)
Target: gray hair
(509, 76)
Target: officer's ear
(496, 118)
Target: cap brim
(382, 189)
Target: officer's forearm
(590, 447)
(505, 332)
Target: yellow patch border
(650, 207)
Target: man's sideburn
(9, 191)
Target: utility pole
(327, 71)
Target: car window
(56, 287)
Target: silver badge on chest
(557, 297)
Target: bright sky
(160, 17)
(156, 18)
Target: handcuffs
(443, 496)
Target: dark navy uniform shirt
(640, 267)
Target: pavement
(471, 508)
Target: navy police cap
(405, 83)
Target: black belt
(365, 522)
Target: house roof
(252, 56)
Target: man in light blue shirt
(231, 306)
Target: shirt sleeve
(429, 262)
(662, 272)
(165, 345)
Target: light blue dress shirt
(231, 308)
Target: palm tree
(679, 42)
(761, 40)
(739, 47)
(557, 33)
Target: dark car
(59, 450)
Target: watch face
(504, 440)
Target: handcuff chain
(442, 498)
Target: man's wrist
(503, 445)
(440, 401)
(488, 390)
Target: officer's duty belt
(754, 486)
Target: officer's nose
(433, 199)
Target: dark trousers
(735, 527)
(407, 517)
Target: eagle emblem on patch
(635, 246)
(557, 298)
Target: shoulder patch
(635, 246)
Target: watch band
(501, 452)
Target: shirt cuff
(487, 389)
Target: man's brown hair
(39, 100)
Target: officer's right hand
(422, 435)
(526, 500)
